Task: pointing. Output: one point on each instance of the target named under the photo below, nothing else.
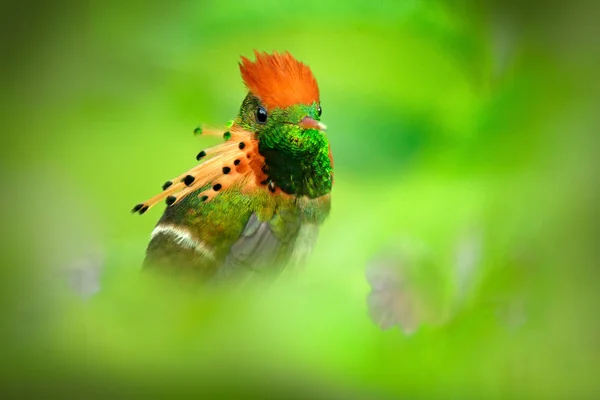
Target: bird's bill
(309, 123)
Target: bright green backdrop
(463, 134)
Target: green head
(284, 110)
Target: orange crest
(279, 80)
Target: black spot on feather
(188, 180)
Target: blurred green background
(464, 141)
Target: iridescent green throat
(297, 160)
(299, 164)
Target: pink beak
(309, 123)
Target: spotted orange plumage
(279, 80)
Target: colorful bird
(255, 202)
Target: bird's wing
(263, 248)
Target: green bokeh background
(461, 130)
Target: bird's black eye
(319, 111)
(261, 115)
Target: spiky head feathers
(279, 80)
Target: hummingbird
(254, 204)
